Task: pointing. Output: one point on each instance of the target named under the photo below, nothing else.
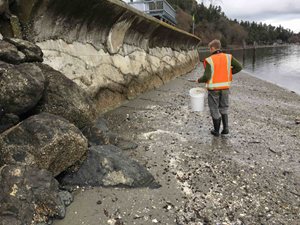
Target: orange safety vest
(221, 74)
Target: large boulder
(32, 52)
(97, 136)
(108, 166)
(21, 87)
(28, 196)
(4, 5)
(10, 54)
(101, 124)
(44, 141)
(7, 120)
(65, 98)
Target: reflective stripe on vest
(228, 65)
(211, 84)
(224, 84)
(212, 66)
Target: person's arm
(236, 66)
(206, 76)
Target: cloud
(275, 12)
(292, 24)
(258, 6)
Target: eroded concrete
(110, 49)
(128, 73)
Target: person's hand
(197, 82)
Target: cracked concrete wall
(110, 49)
(112, 78)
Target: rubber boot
(217, 123)
(225, 124)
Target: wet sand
(251, 176)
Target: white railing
(169, 9)
(155, 6)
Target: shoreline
(204, 49)
(253, 70)
(292, 91)
(250, 176)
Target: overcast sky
(276, 12)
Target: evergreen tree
(223, 42)
(211, 22)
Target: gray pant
(218, 101)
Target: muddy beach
(251, 176)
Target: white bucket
(197, 98)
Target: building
(159, 9)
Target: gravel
(250, 176)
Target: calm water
(278, 65)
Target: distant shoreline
(204, 49)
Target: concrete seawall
(110, 49)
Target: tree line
(211, 22)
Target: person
(219, 68)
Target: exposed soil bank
(252, 176)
